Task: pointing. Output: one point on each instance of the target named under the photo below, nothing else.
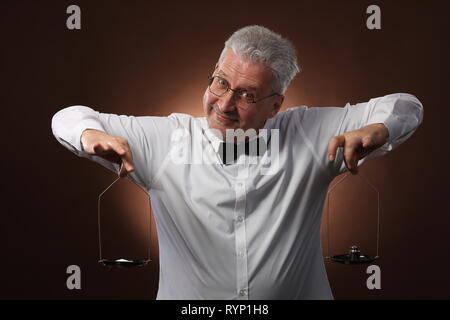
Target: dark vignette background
(152, 58)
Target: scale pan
(351, 259)
(123, 263)
(354, 256)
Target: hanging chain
(328, 256)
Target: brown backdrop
(152, 58)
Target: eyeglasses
(219, 86)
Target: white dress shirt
(240, 231)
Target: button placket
(241, 242)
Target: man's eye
(222, 82)
(247, 95)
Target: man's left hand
(358, 143)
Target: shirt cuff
(390, 126)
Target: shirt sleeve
(401, 113)
(148, 137)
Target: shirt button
(241, 254)
(240, 184)
(242, 292)
(240, 219)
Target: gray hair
(260, 44)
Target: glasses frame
(236, 91)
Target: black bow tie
(229, 152)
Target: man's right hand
(113, 149)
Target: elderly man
(245, 226)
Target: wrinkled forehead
(243, 71)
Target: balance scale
(116, 261)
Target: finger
(333, 145)
(357, 155)
(354, 164)
(367, 142)
(105, 151)
(122, 171)
(128, 156)
(125, 156)
(351, 166)
(350, 157)
(98, 148)
(112, 157)
(127, 160)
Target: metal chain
(328, 256)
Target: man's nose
(227, 102)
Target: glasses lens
(246, 97)
(218, 86)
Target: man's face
(222, 112)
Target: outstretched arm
(386, 122)
(343, 138)
(140, 143)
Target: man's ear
(276, 106)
